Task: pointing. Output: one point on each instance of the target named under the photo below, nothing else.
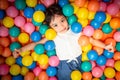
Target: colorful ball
(4, 69)
(15, 45)
(4, 4)
(14, 31)
(43, 59)
(117, 46)
(83, 40)
(86, 66)
(88, 30)
(38, 24)
(32, 66)
(8, 22)
(39, 49)
(29, 27)
(43, 28)
(49, 45)
(108, 54)
(2, 14)
(3, 31)
(15, 69)
(27, 60)
(10, 60)
(19, 21)
(35, 56)
(20, 77)
(87, 75)
(109, 72)
(95, 24)
(28, 12)
(19, 61)
(106, 28)
(40, 7)
(43, 76)
(97, 72)
(110, 62)
(29, 76)
(51, 53)
(47, 3)
(108, 18)
(76, 27)
(20, 4)
(63, 2)
(54, 61)
(98, 34)
(72, 19)
(101, 60)
(117, 65)
(116, 36)
(39, 16)
(51, 71)
(24, 70)
(115, 23)
(76, 75)
(103, 6)
(92, 55)
(36, 36)
(37, 70)
(31, 3)
(50, 34)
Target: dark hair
(51, 11)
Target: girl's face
(59, 24)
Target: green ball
(39, 49)
(102, 77)
(20, 4)
(106, 28)
(86, 66)
(15, 45)
(117, 46)
(72, 19)
(36, 23)
(68, 10)
(14, 31)
(51, 53)
(43, 28)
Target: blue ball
(35, 36)
(19, 61)
(39, 49)
(2, 14)
(49, 45)
(15, 45)
(28, 12)
(100, 16)
(40, 7)
(51, 71)
(63, 2)
(108, 54)
(32, 66)
(95, 24)
(92, 55)
(18, 77)
(101, 60)
(76, 27)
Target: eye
(62, 20)
(55, 25)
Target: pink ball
(113, 9)
(52, 78)
(37, 70)
(12, 11)
(4, 69)
(103, 6)
(110, 63)
(117, 2)
(116, 36)
(97, 72)
(54, 61)
(19, 21)
(88, 30)
(93, 64)
(47, 3)
(29, 27)
(3, 31)
(102, 67)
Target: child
(67, 48)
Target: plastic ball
(37, 70)
(80, 3)
(15, 45)
(43, 76)
(76, 27)
(32, 66)
(87, 75)
(43, 28)
(53, 78)
(4, 4)
(8, 22)
(72, 19)
(86, 66)
(40, 7)
(88, 30)
(108, 54)
(63, 2)
(7, 52)
(101, 60)
(116, 56)
(12, 11)
(97, 72)
(3, 31)
(103, 6)
(20, 4)
(39, 16)
(28, 12)
(83, 22)
(39, 49)
(87, 48)
(35, 56)
(108, 18)
(98, 34)
(95, 24)
(91, 15)
(49, 45)
(19, 61)
(117, 64)
(18, 77)
(76, 75)
(51, 53)
(44, 66)
(14, 31)
(84, 56)
(106, 28)
(27, 60)
(6, 77)
(31, 3)
(83, 40)
(75, 8)
(54, 61)
(109, 72)
(4, 69)
(68, 10)
(29, 27)
(116, 36)
(2, 14)
(47, 3)
(100, 16)
(115, 23)
(82, 13)
(43, 59)
(29, 76)
(117, 2)
(38, 24)
(4, 41)
(112, 9)
(92, 55)
(110, 62)
(117, 46)
(117, 77)
(50, 34)
(15, 69)
(51, 71)
(19, 21)
(10, 60)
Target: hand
(109, 47)
(16, 53)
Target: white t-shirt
(67, 47)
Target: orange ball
(43, 76)
(83, 40)
(117, 75)
(98, 49)
(6, 77)
(6, 52)
(29, 76)
(4, 4)
(87, 76)
(98, 34)
(116, 56)
(45, 66)
(93, 5)
(110, 40)
(4, 41)
(115, 23)
(80, 3)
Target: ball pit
(22, 22)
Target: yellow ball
(26, 53)
(50, 34)
(84, 56)
(91, 15)
(39, 16)
(82, 13)
(76, 75)
(75, 8)
(86, 48)
(43, 59)
(10, 60)
(15, 69)
(31, 3)
(27, 60)
(108, 18)
(24, 70)
(117, 65)
(109, 72)
(8, 22)
(84, 22)
(35, 56)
